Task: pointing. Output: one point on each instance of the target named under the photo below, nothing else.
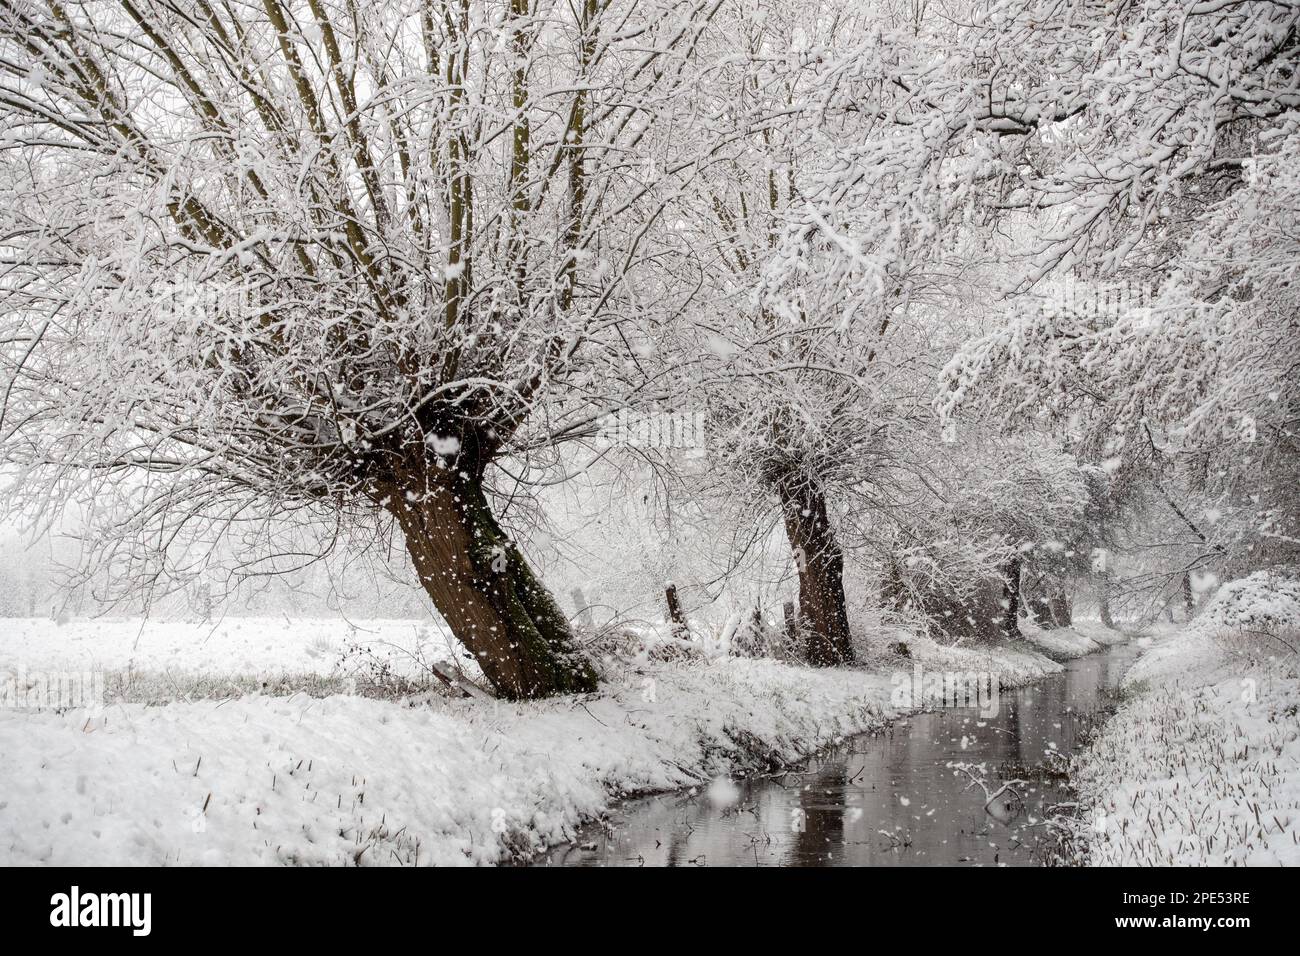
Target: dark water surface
(890, 799)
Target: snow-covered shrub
(1266, 601)
(629, 646)
(951, 591)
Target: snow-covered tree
(822, 241)
(1150, 296)
(315, 264)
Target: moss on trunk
(484, 588)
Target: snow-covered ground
(299, 774)
(1201, 764)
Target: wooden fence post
(675, 612)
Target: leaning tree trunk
(822, 609)
(485, 590)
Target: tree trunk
(480, 583)
(1189, 600)
(893, 593)
(1062, 610)
(1011, 598)
(1103, 600)
(790, 617)
(675, 614)
(822, 609)
(1049, 604)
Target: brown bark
(675, 614)
(485, 590)
(822, 610)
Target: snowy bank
(1081, 638)
(259, 779)
(1201, 764)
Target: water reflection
(904, 797)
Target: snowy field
(219, 773)
(1201, 765)
(146, 661)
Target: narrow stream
(890, 799)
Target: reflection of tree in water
(902, 753)
(1014, 735)
(677, 845)
(822, 841)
